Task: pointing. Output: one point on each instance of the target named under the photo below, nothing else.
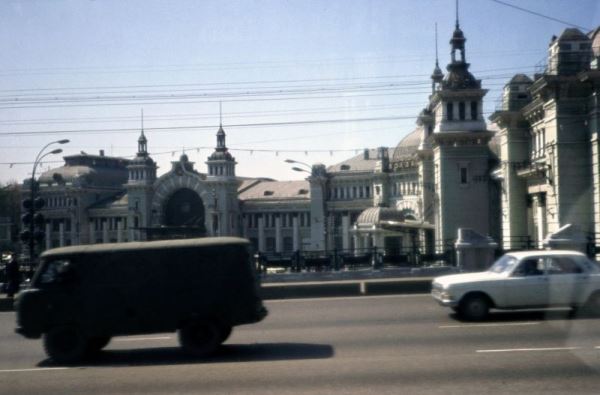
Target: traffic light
(33, 221)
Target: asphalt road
(368, 345)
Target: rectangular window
(474, 111)
(367, 192)
(461, 111)
(450, 111)
(464, 176)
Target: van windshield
(53, 272)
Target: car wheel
(474, 308)
(64, 344)
(200, 339)
(97, 343)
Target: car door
(567, 280)
(527, 286)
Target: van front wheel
(200, 339)
(64, 344)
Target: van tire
(95, 344)
(200, 339)
(225, 331)
(64, 344)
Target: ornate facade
(415, 195)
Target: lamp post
(318, 174)
(32, 206)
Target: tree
(10, 207)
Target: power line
(541, 15)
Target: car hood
(455, 279)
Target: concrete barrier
(324, 289)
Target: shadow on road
(532, 315)
(227, 353)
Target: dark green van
(82, 296)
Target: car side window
(562, 265)
(530, 267)
(54, 270)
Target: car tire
(64, 344)
(95, 344)
(200, 339)
(474, 308)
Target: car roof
(145, 245)
(537, 253)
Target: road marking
(30, 370)
(489, 325)
(269, 301)
(530, 349)
(139, 339)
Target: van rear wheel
(200, 339)
(64, 344)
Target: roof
(270, 190)
(520, 79)
(119, 200)
(144, 245)
(358, 163)
(572, 34)
(407, 146)
(375, 215)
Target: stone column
(92, 233)
(105, 231)
(346, 232)
(61, 234)
(474, 252)
(48, 235)
(261, 234)
(245, 226)
(296, 233)
(120, 231)
(278, 235)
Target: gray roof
(520, 79)
(375, 215)
(115, 201)
(358, 163)
(407, 146)
(572, 34)
(277, 190)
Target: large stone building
(550, 147)
(413, 196)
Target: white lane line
(489, 325)
(273, 301)
(530, 349)
(140, 339)
(30, 370)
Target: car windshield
(504, 264)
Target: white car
(520, 280)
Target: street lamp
(32, 205)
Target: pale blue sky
(339, 60)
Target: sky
(313, 81)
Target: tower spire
(437, 76)
(142, 141)
(457, 25)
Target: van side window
(54, 270)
